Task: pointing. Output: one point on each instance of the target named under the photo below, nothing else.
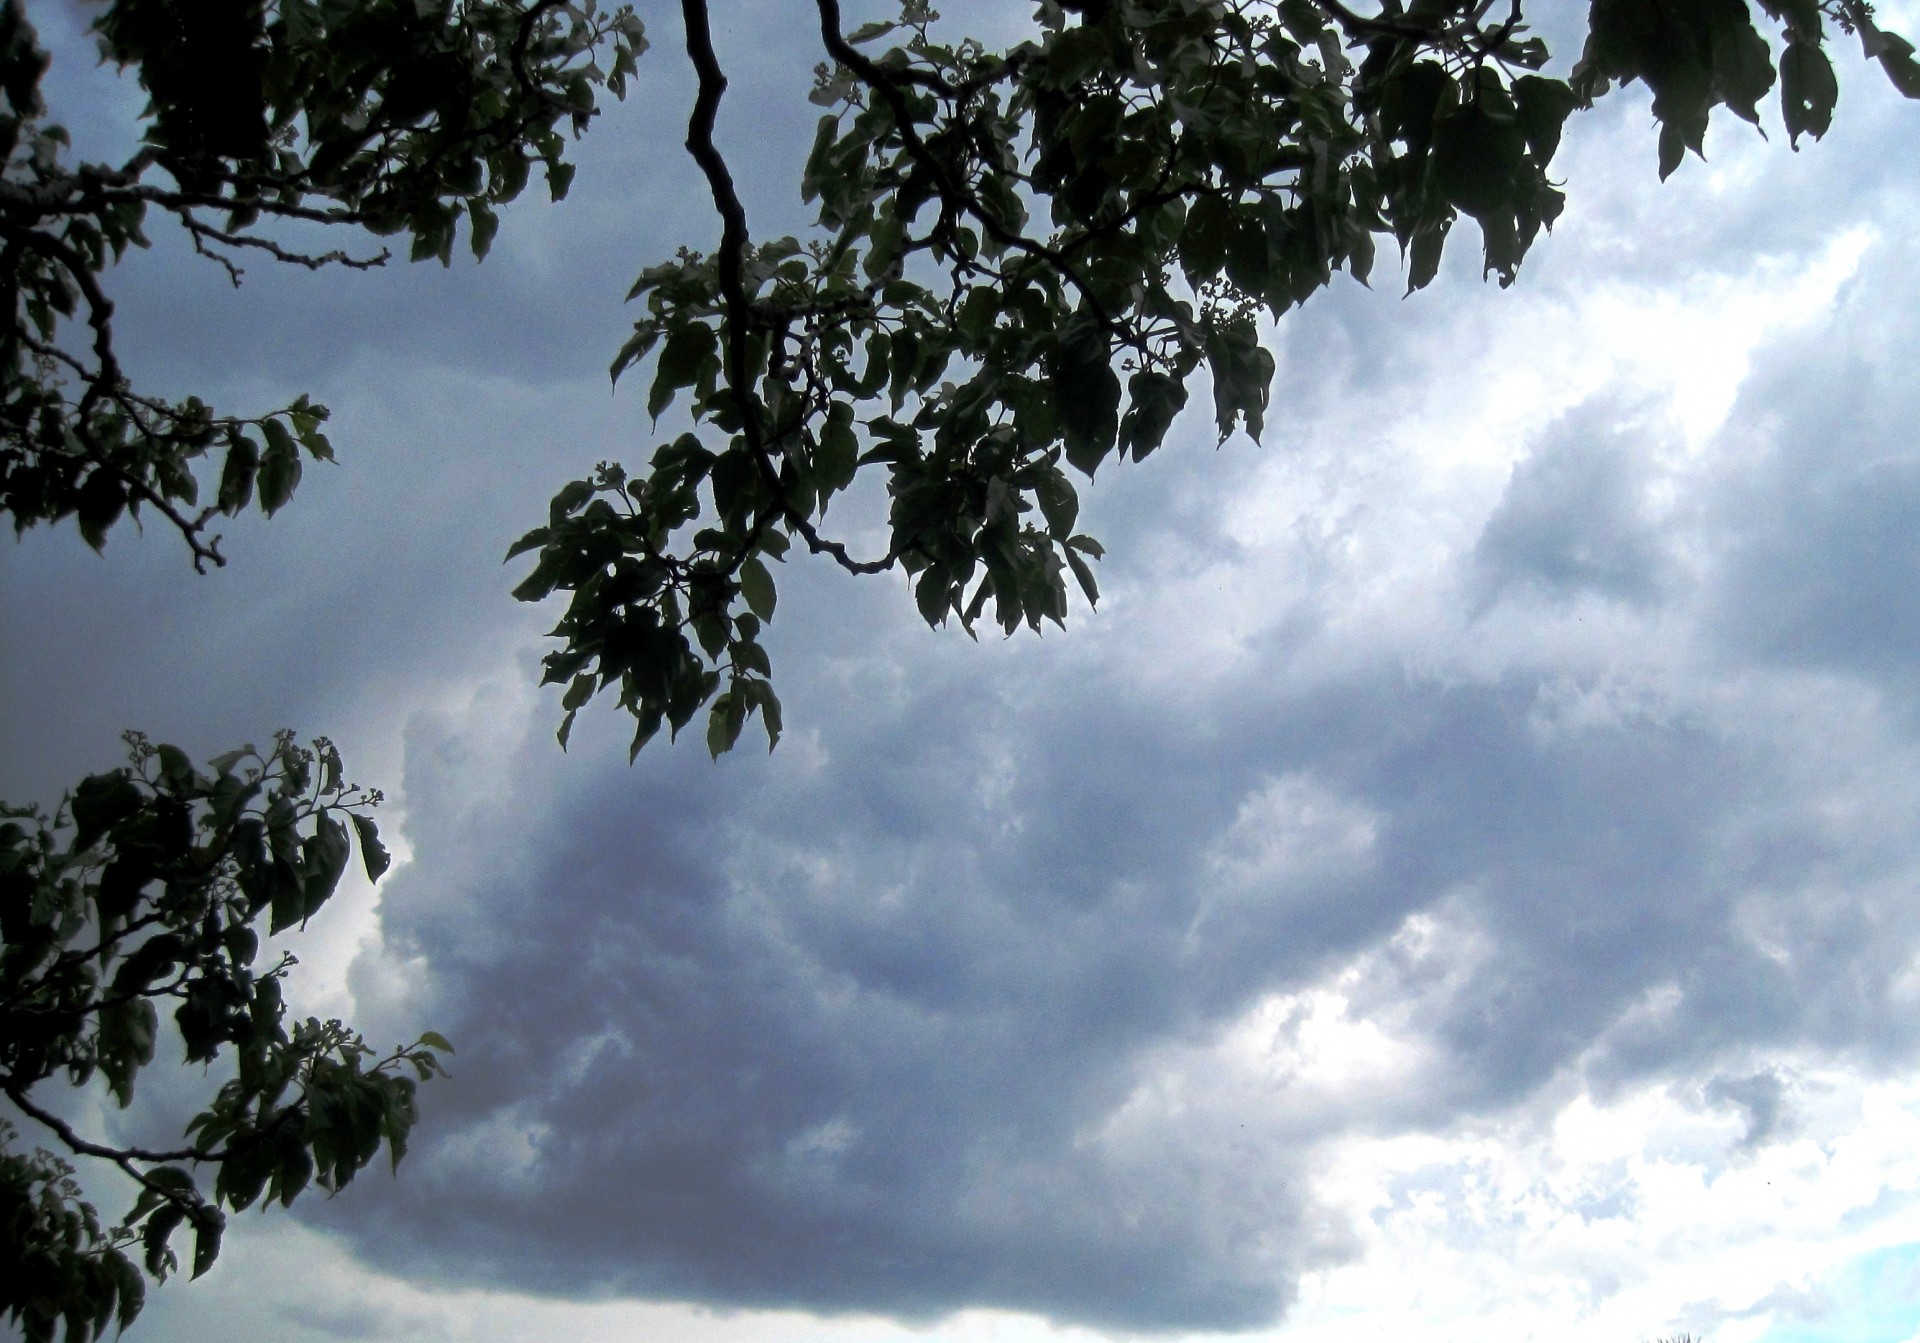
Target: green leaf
(579, 692)
(1424, 254)
(933, 593)
(154, 1235)
(435, 1040)
(485, 225)
(236, 477)
(1059, 503)
(1156, 399)
(769, 705)
(279, 472)
(1896, 59)
(838, 455)
(724, 720)
(279, 438)
(1084, 574)
(756, 586)
(102, 802)
(690, 351)
(1242, 378)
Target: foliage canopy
(145, 888)
(1021, 259)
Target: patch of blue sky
(1874, 1298)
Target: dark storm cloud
(861, 1027)
(849, 1032)
(838, 1036)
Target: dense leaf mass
(1023, 257)
(389, 116)
(144, 891)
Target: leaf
(279, 437)
(1476, 160)
(769, 705)
(724, 721)
(99, 504)
(756, 586)
(435, 1040)
(101, 802)
(838, 455)
(373, 854)
(154, 1235)
(1156, 399)
(1673, 147)
(323, 861)
(1543, 106)
(279, 472)
(579, 692)
(208, 1224)
(689, 350)
(1086, 394)
(1242, 378)
(1808, 91)
(1896, 59)
(485, 225)
(1084, 573)
(1205, 238)
(933, 593)
(236, 477)
(533, 540)
(1424, 255)
(1059, 504)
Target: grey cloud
(1814, 565)
(1761, 1099)
(860, 1027)
(850, 1030)
(1574, 519)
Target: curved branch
(120, 1156)
(729, 264)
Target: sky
(1460, 884)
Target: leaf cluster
(144, 892)
(380, 116)
(1023, 258)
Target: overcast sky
(1461, 884)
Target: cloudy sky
(1461, 884)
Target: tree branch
(954, 192)
(120, 1156)
(729, 264)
